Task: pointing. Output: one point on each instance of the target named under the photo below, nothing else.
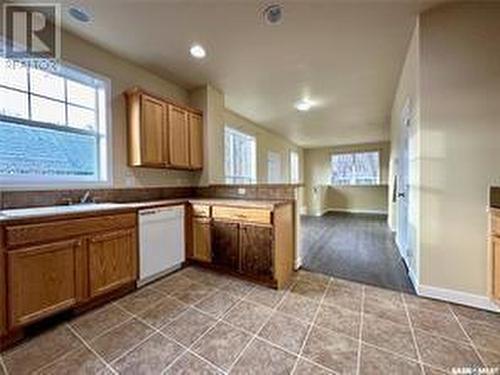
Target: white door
(403, 190)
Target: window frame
(270, 179)
(232, 179)
(104, 147)
(292, 179)
(354, 153)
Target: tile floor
(199, 322)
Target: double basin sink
(57, 210)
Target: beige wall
(218, 116)
(407, 93)
(460, 141)
(321, 197)
(124, 75)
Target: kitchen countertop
(23, 214)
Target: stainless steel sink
(54, 210)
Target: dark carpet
(354, 247)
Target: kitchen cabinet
(195, 141)
(42, 280)
(494, 256)
(202, 242)
(178, 135)
(496, 268)
(112, 261)
(256, 244)
(225, 250)
(163, 134)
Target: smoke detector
(273, 14)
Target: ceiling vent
(273, 14)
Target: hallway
(354, 247)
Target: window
(239, 157)
(294, 167)
(273, 167)
(53, 126)
(361, 168)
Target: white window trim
(270, 178)
(379, 176)
(230, 179)
(292, 180)
(55, 183)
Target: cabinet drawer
(495, 224)
(201, 210)
(21, 235)
(255, 215)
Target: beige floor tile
(481, 316)
(222, 345)
(40, 350)
(421, 303)
(394, 337)
(151, 357)
(435, 371)
(96, 322)
(384, 297)
(189, 364)
(444, 353)
(262, 358)
(307, 289)
(140, 300)
(339, 319)
(308, 368)
(312, 277)
(299, 307)
(81, 361)
(344, 295)
(394, 313)
(491, 359)
(483, 335)
(121, 339)
(285, 331)
(437, 323)
(217, 304)
(193, 293)
(332, 350)
(265, 296)
(171, 284)
(163, 312)
(375, 361)
(239, 288)
(248, 315)
(188, 327)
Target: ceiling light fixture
(80, 14)
(273, 14)
(197, 51)
(303, 105)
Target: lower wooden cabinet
(42, 280)
(202, 239)
(112, 261)
(256, 247)
(225, 250)
(496, 267)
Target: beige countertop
(22, 214)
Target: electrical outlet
(242, 191)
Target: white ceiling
(345, 56)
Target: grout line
(306, 338)
(87, 345)
(471, 342)
(360, 336)
(414, 337)
(3, 366)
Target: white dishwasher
(161, 242)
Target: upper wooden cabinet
(162, 134)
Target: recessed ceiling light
(273, 14)
(80, 14)
(197, 51)
(303, 105)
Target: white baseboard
(455, 296)
(298, 263)
(350, 211)
(303, 210)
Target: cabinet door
(112, 260)
(178, 136)
(496, 267)
(256, 247)
(225, 251)
(195, 141)
(153, 132)
(42, 280)
(202, 246)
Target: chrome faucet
(86, 198)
